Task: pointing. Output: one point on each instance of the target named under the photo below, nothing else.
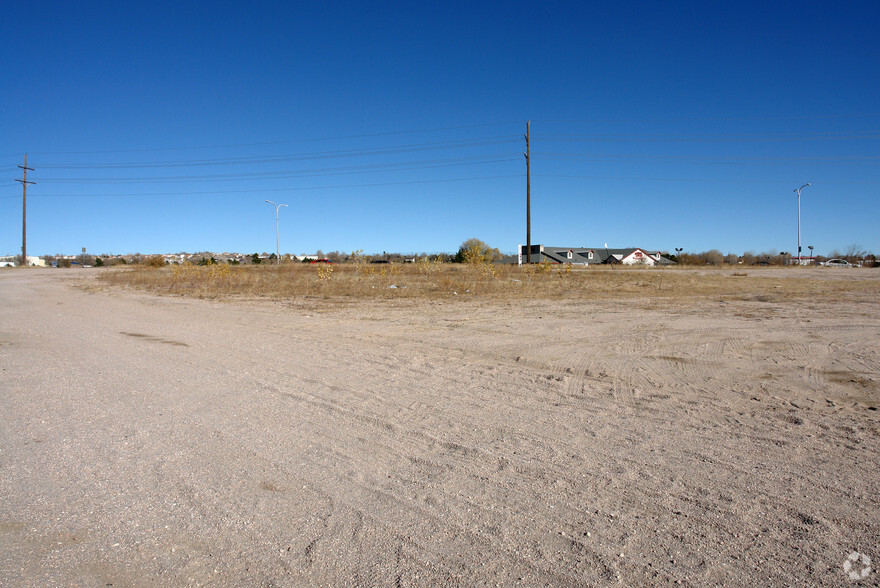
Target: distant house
(595, 255)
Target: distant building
(595, 255)
(10, 261)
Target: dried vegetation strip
(429, 280)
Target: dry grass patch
(432, 280)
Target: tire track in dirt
(337, 449)
(460, 455)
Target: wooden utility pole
(24, 185)
(528, 154)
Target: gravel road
(160, 441)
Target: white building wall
(638, 257)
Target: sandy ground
(152, 440)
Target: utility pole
(24, 185)
(528, 154)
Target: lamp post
(678, 251)
(812, 259)
(799, 219)
(277, 250)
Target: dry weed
(486, 280)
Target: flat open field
(652, 427)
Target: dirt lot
(148, 440)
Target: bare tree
(854, 252)
(713, 257)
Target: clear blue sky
(398, 126)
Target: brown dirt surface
(708, 440)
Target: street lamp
(277, 251)
(678, 251)
(799, 219)
(812, 259)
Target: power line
(313, 172)
(457, 127)
(482, 142)
(712, 119)
(282, 142)
(699, 180)
(564, 176)
(288, 189)
(675, 138)
(712, 158)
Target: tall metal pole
(799, 219)
(24, 185)
(528, 155)
(277, 250)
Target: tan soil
(150, 440)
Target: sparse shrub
(155, 261)
(363, 268)
(325, 270)
(429, 267)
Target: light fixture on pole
(812, 259)
(799, 219)
(277, 250)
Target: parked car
(321, 260)
(836, 263)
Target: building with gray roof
(595, 255)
